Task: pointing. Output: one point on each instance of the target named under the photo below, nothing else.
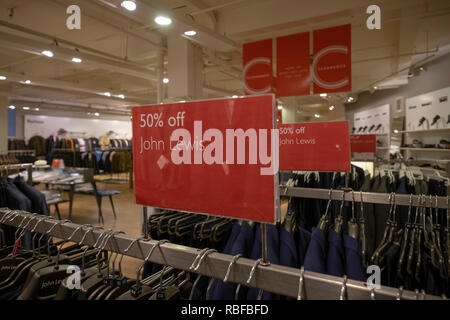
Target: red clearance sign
(315, 146)
(363, 143)
(208, 157)
(293, 65)
(257, 64)
(331, 70)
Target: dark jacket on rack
(37, 143)
(51, 143)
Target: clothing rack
(367, 197)
(274, 278)
(23, 151)
(28, 166)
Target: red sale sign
(363, 143)
(332, 64)
(315, 146)
(216, 157)
(293, 65)
(257, 67)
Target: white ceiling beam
(36, 47)
(73, 87)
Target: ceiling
(120, 48)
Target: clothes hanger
(362, 232)
(113, 278)
(339, 220)
(324, 220)
(352, 225)
(96, 280)
(102, 284)
(66, 293)
(387, 233)
(406, 240)
(250, 277)
(50, 276)
(141, 290)
(196, 265)
(20, 273)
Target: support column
(185, 66)
(160, 75)
(3, 125)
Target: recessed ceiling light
(97, 114)
(190, 33)
(77, 60)
(47, 53)
(3, 78)
(331, 108)
(129, 5)
(121, 96)
(323, 95)
(396, 131)
(26, 108)
(108, 94)
(12, 107)
(36, 109)
(280, 107)
(166, 80)
(163, 21)
(27, 81)
(317, 115)
(350, 99)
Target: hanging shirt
(354, 268)
(316, 256)
(242, 245)
(288, 252)
(227, 250)
(336, 256)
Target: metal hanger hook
(204, 255)
(252, 272)
(301, 285)
(233, 261)
(343, 293)
(400, 293)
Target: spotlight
(12, 107)
(317, 115)
(47, 53)
(129, 5)
(331, 108)
(77, 60)
(323, 95)
(190, 33)
(166, 80)
(163, 21)
(280, 107)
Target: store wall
(20, 117)
(436, 77)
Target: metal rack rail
(274, 278)
(28, 166)
(367, 197)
